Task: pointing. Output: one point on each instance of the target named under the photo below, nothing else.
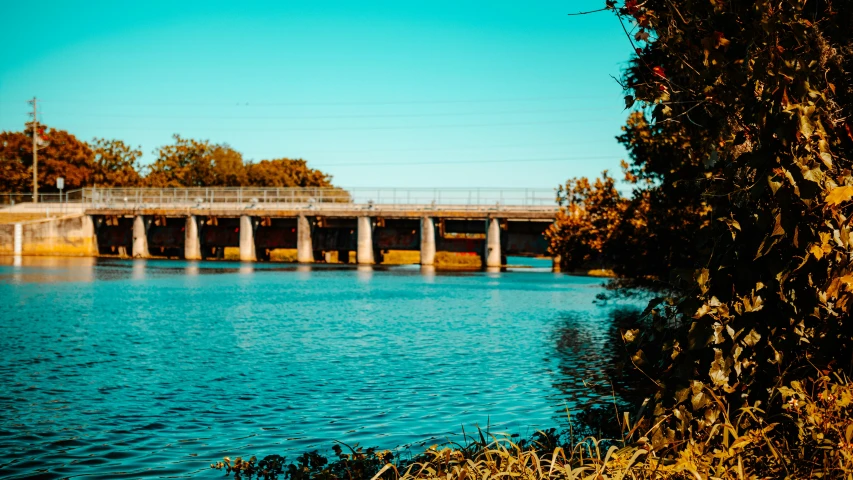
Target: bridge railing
(241, 197)
(9, 199)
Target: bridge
(318, 223)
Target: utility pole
(34, 124)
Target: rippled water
(156, 368)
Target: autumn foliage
(113, 163)
(740, 144)
(591, 214)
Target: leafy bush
(813, 438)
(740, 141)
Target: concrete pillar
(427, 241)
(304, 247)
(18, 239)
(493, 243)
(555, 263)
(91, 226)
(247, 239)
(140, 237)
(192, 242)
(364, 254)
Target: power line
(304, 117)
(450, 149)
(389, 127)
(456, 162)
(354, 103)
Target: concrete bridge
(200, 223)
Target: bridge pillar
(192, 243)
(493, 243)
(247, 239)
(364, 252)
(18, 239)
(427, 241)
(304, 246)
(140, 236)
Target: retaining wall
(70, 236)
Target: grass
(810, 437)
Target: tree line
(113, 163)
(740, 143)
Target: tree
(63, 156)
(113, 163)
(116, 164)
(591, 213)
(284, 172)
(194, 163)
(739, 155)
(228, 167)
(14, 174)
(186, 163)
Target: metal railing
(9, 199)
(245, 197)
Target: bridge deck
(334, 210)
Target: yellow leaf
(839, 195)
(741, 442)
(816, 251)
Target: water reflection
(428, 273)
(304, 271)
(364, 273)
(591, 357)
(192, 269)
(139, 265)
(28, 269)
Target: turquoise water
(140, 368)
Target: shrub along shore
(812, 440)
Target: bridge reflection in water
(321, 224)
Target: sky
(378, 94)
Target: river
(122, 368)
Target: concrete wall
(69, 236)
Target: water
(157, 368)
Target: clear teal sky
(410, 94)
